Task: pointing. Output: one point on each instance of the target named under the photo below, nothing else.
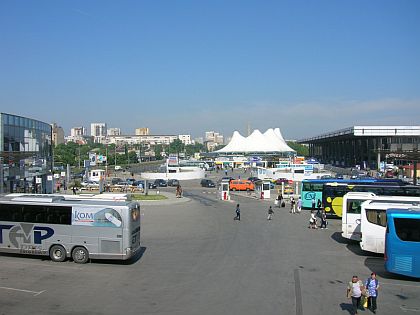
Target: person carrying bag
(355, 290)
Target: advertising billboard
(103, 217)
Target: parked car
(207, 183)
(140, 183)
(253, 179)
(116, 180)
(89, 184)
(241, 184)
(279, 181)
(78, 175)
(160, 183)
(227, 178)
(130, 181)
(173, 182)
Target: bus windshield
(402, 249)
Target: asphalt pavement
(196, 259)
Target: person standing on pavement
(292, 205)
(312, 220)
(238, 213)
(280, 199)
(270, 213)
(299, 205)
(313, 203)
(319, 206)
(323, 220)
(372, 287)
(355, 289)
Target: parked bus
(352, 204)
(312, 188)
(373, 223)
(61, 228)
(332, 193)
(402, 242)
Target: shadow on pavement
(377, 264)
(130, 261)
(347, 307)
(336, 236)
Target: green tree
(300, 149)
(190, 149)
(176, 146)
(158, 151)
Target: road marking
(35, 293)
(298, 293)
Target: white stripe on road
(35, 293)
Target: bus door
(373, 230)
(352, 221)
(134, 229)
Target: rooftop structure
(365, 146)
(269, 142)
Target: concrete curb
(171, 200)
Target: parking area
(196, 259)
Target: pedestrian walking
(313, 203)
(292, 205)
(270, 213)
(226, 172)
(74, 190)
(372, 287)
(312, 220)
(178, 191)
(299, 205)
(280, 199)
(323, 220)
(355, 290)
(238, 213)
(319, 206)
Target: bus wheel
(80, 255)
(57, 253)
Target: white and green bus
(62, 228)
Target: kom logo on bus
(25, 233)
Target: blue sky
(179, 66)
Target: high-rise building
(98, 132)
(77, 131)
(186, 139)
(212, 136)
(113, 132)
(98, 129)
(57, 134)
(142, 131)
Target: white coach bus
(374, 220)
(62, 228)
(352, 206)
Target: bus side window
(64, 214)
(15, 212)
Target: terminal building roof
(368, 131)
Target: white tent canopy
(270, 141)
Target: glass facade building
(26, 154)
